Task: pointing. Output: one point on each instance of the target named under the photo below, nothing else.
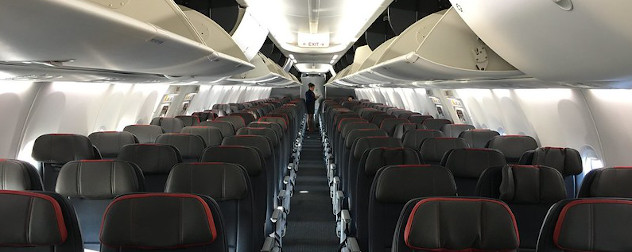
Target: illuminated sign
(313, 39)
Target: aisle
(311, 226)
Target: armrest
(351, 245)
(270, 245)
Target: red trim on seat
(207, 209)
(525, 166)
(96, 160)
(479, 149)
(622, 167)
(61, 224)
(554, 148)
(62, 134)
(413, 165)
(514, 136)
(421, 202)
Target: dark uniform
(310, 101)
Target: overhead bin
(152, 37)
(266, 73)
(438, 47)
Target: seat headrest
(513, 146)
(419, 118)
(454, 130)
(478, 138)
(592, 225)
(354, 135)
(191, 120)
(151, 158)
(236, 121)
(226, 128)
(19, 175)
(158, 221)
(402, 129)
(607, 182)
(260, 143)
(99, 179)
(247, 117)
(281, 121)
(414, 138)
(31, 219)
(110, 143)
(247, 157)
(464, 224)
(434, 124)
(368, 143)
(472, 162)
(62, 148)
(220, 181)
(190, 146)
(433, 149)
(566, 160)
(355, 126)
(145, 133)
(377, 158)
(266, 132)
(531, 184)
(389, 124)
(212, 136)
(274, 126)
(169, 124)
(401, 183)
(345, 121)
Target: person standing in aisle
(310, 104)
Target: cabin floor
(311, 226)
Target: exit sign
(313, 39)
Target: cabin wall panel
(15, 102)
(213, 94)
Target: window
(590, 159)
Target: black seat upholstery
(390, 124)
(109, 143)
(414, 138)
(513, 146)
(19, 176)
(248, 117)
(378, 118)
(434, 124)
(168, 124)
(54, 150)
(154, 160)
(229, 185)
(163, 222)
(189, 146)
(226, 128)
(467, 165)
(454, 130)
(37, 222)
(456, 224)
(594, 224)
(419, 118)
(145, 133)
(402, 129)
(91, 186)
(189, 120)
(607, 182)
(478, 138)
(237, 121)
(392, 188)
(433, 149)
(566, 160)
(212, 136)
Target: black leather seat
(607, 182)
(237, 121)
(468, 164)
(163, 222)
(109, 143)
(38, 222)
(455, 130)
(189, 120)
(378, 118)
(478, 138)
(341, 153)
(529, 191)
(55, 150)
(91, 185)
(18, 175)
(226, 128)
(168, 124)
(414, 138)
(277, 150)
(434, 124)
(594, 224)
(566, 160)
(229, 185)
(154, 160)
(456, 224)
(433, 149)
(248, 117)
(145, 133)
(392, 188)
(419, 118)
(189, 146)
(513, 146)
(390, 124)
(212, 136)
(402, 129)
(284, 142)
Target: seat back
(168, 124)
(189, 146)
(154, 160)
(594, 224)
(163, 221)
(389, 125)
(456, 224)
(433, 149)
(402, 129)
(266, 132)
(237, 121)
(513, 146)
(91, 185)
(478, 138)
(414, 138)
(109, 143)
(419, 118)
(467, 165)
(434, 124)
(607, 182)
(248, 117)
(226, 128)
(566, 160)
(271, 125)
(37, 222)
(454, 130)
(145, 133)
(19, 176)
(378, 118)
(392, 188)
(229, 185)
(191, 120)
(54, 150)
(212, 136)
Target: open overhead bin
(438, 47)
(145, 37)
(266, 73)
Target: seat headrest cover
(280, 120)
(226, 128)
(354, 135)
(414, 138)
(145, 133)
(220, 181)
(109, 143)
(608, 182)
(566, 160)
(274, 126)
(62, 148)
(531, 184)
(368, 143)
(158, 221)
(260, 143)
(212, 136)
(401, 183)
(18, 175)
(379, 157)
(237, 121)
(434, 124)
(266, 132)
(433, 149)
(594, 225)
(169, 124)
(151, 158)
(189, 145)
(513, 146)
(478, 138)
(355, 126)
(247, 157)
(471, 163)
(464, 224)
(30, 219)
(98, 179)
(454, 130)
